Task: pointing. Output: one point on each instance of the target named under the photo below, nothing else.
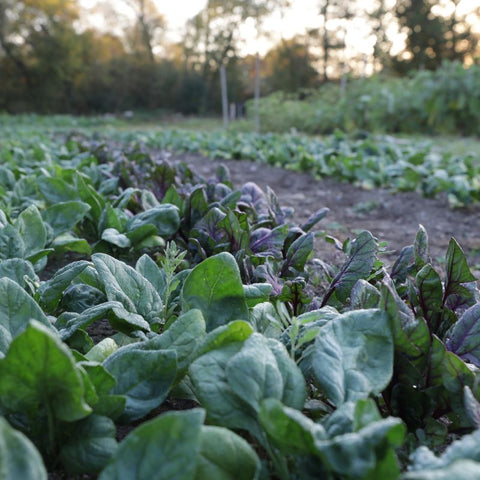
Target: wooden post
(257, 93)
(223, 83)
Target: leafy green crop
(131, 288)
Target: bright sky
(302, 15)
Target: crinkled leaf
(144, 377)
(353, 355)
(18, 270)
(236, 331)
(212, 388)
(11, 243)
(124, 284)
(420, 248)
(51, 291)
(32, 230)
(17, 308)
(366, 451)
(314, 219)
(184, 336)
(253, 373)
(465, 448)
(152, 272)
(69, 322)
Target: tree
(289, 66)
(433, 37)
(148, 27)
(212, 37)
(380, 18)
(335, 17)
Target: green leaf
(237, 331)
(472, 407)
(423, 460)
(257, 293)
(19, 459)
(298, 253)
(457, 269)
(215, 287)
(63, 217)
(11, 243)
(113, 236)
(353, 355)
(51, 291)
(56, 190)
(420, 248)
(32, 230)
(102, 350)
(165, 447)
(152, 272)
(464, 338)
(165, 218)
(358, 265)
(224, 456)
(253, 373)
(69, 322)
(184, 336)
(458, 470)
(18, 270)
(17, 308)
(430, 295)
(90, 446)
(290, 429)
(363, 453)
(39, 373)
(143, 376)
(66, 242)
(124, 284)
(364, 295)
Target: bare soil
(390, 217)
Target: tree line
(55, 59)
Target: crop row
(128, 284)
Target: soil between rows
(391, 217)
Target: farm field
(267, 306)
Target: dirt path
(391, 217)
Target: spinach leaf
(215, 287)
(165, 447)
(18, 456)
(17, 308)
(352, 356)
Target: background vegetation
(55, 59)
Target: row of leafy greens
(208, 303)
